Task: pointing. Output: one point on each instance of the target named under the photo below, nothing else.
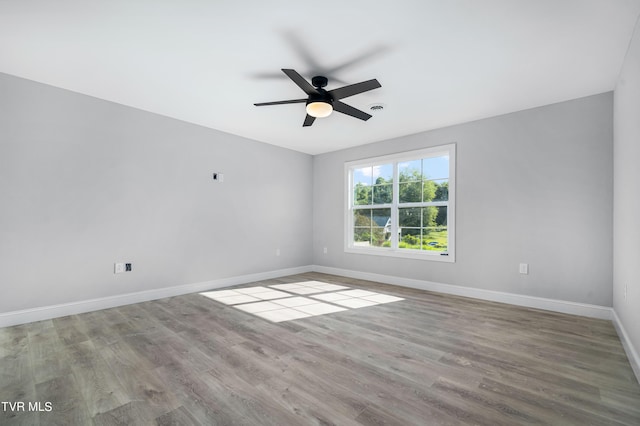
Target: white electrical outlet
(325, 250)
(524, 268)
(118, 268)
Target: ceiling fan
(321, 102)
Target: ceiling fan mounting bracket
(319, 81)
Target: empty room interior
(335, 213)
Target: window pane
(410, 170)
(429, 216)
(410, 192)
(423, 228)
(434, 216)
(362, 218)
(410, 218)
(410, 225)
(382, 173)
(442, 190)
(378, 236)
(363, 176)
(362, 236)
(435, 233)
(435, 167)
(428, 190)
(409, 238)
(362, 227)
(372, 227)
(381, 217)
(382, 194)
(435, 239)
(361, 195)
(381, 227)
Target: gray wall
(85, 183)
(534, 186)
(626, 270)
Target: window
(402, 205)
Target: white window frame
(395, 159)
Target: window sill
(406, 254)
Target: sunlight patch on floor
(283, 302)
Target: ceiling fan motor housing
(322, 96)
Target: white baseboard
(632, 354)
(583, 309)
(47, 312)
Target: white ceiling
(207, 61)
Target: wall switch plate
(524, 268)
(277, 252)
(118, 268)
(325, 250)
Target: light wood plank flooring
(430, 359)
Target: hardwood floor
(430, 359)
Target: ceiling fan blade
(300, 81)
(354, 89)
(308, 121)
(349, 110)
(292, 101)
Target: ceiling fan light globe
(319, 109)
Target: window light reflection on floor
(285, 302)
